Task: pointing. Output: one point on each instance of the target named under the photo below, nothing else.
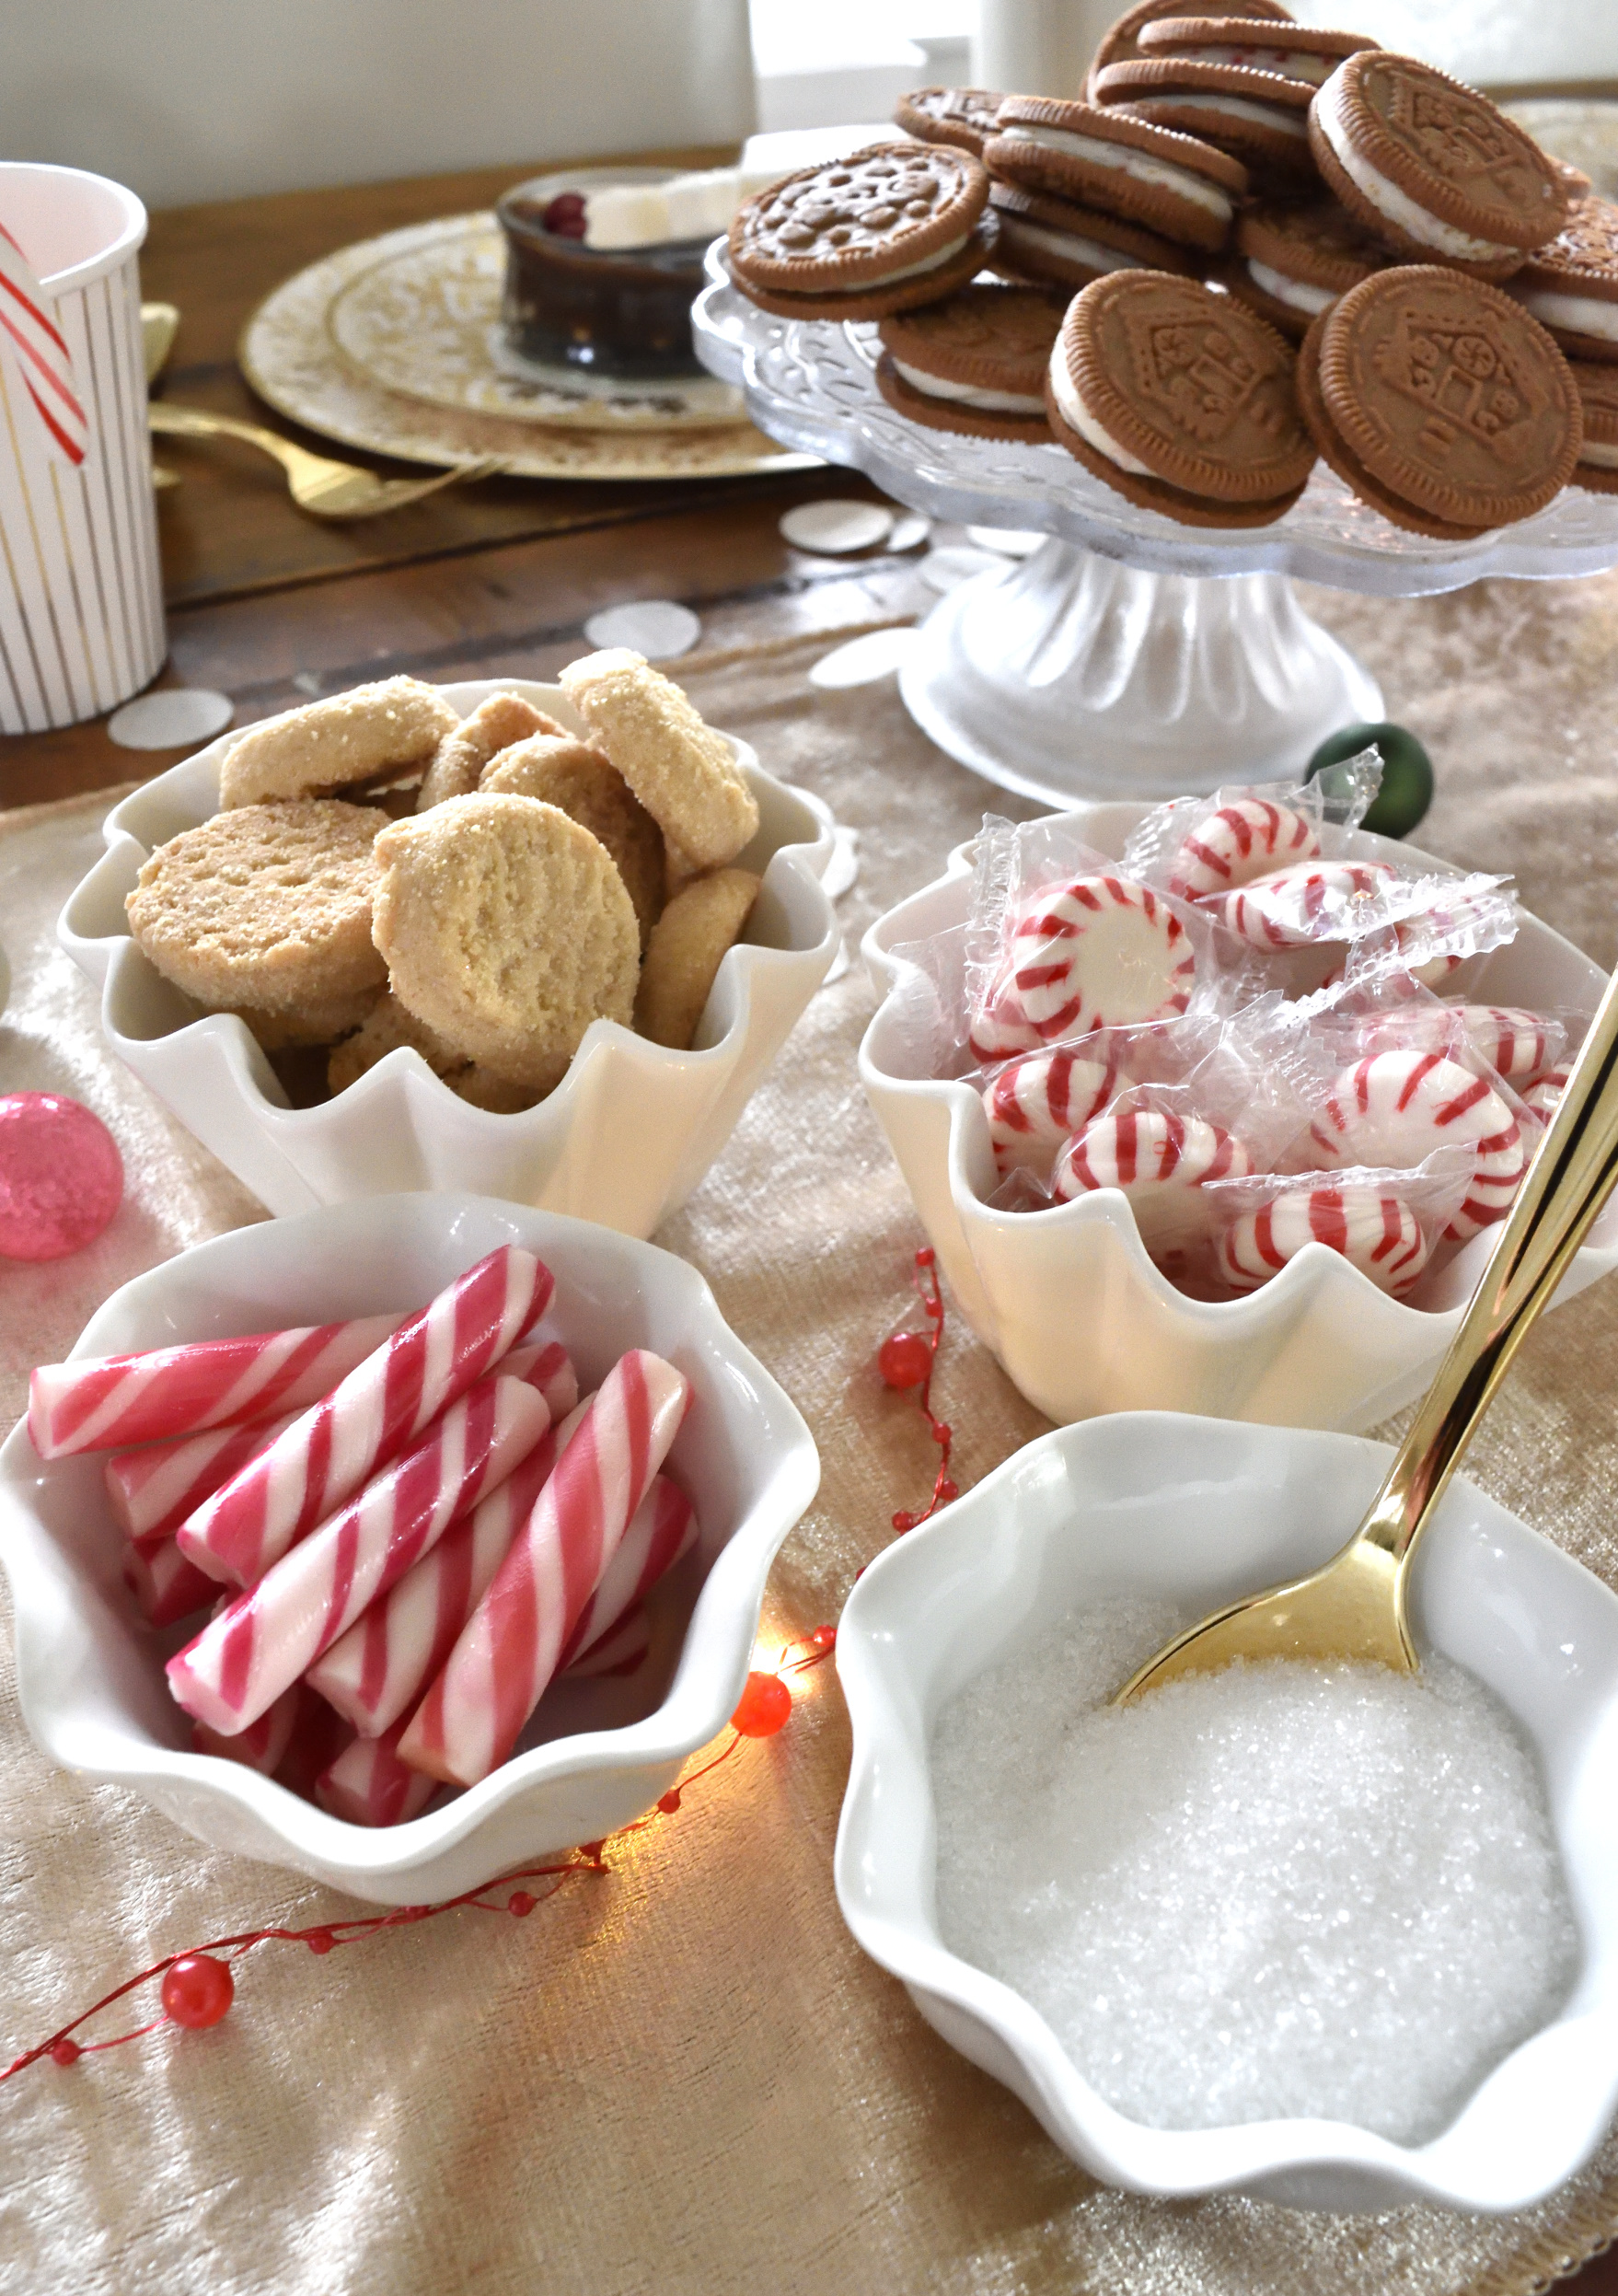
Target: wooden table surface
(272, 607)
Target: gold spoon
(1354, 1608)
(325, 488)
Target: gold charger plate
(290, 354)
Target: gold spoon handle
(1569, 1182)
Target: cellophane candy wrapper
(1388, 1222)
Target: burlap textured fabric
(684, 2078)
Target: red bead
(942, 1431)
(670, 1802)
(946, 1492)
(764, 1706)
(824, 1638)
(520, 1903)
(903, 1359)
(925, 1257)
(65, 2051)
(902, 1521)
(320, 1940)
(197, 1990)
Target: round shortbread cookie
(1161, 1162)
(507, 929)
(1099, 952)
(682, 771)
(1395, 1108)
(1241, 841)
(327, 1022)
(391, 1025)
(458, 761)
(704, 919)
(1309, 901)
(1372, 1229)
(325, 746)
(567, 773)
(1036, 1103)
(266, 907)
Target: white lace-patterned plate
(290, 358)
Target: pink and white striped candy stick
(108, 1401)
(260, 1642)
(164, 1584)
(30, 337)
(493, 1678)
(153, 1489)
(368, 1417)
(369, 1785)
(620, 1651)
(261, 1746)
(662, 1529)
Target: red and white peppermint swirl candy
(1311, 901)
(1036, 1103)
(1001, 1028)
(1396, 1108)
(1374, 1231)
(1514, 1043)
(1099, 952)
(1160, 1160)
(30, 337)
(1241, 841)
(1543, 1097)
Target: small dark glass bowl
(618, 312)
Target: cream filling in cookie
(1288, 61)
(1296, 292)
(1070, 245)
(1075, 413)
(1388, 199)
(1604, 457)
(1242, 107)
(970, 394)
(1140, 165)
(1580, 314)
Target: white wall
(198, 99)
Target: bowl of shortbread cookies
(537, 941)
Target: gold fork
(325, 488)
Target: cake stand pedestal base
(1068, 676)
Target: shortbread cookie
(327, 745)
(703, 920)
(324, 1023)
(883, 230)
(391, 1025)
(682, 771)
(460, 758)
(507, 929)
(568, 773)
(266, 908)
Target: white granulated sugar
(1281, 1891)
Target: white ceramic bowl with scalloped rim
(90, 1672)
(625, 1137)
(1200, 1510)
(1078, 1315)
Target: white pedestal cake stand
(1127, 656)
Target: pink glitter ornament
(61, 1176)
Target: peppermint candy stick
(152, 1491)
(1242, 840)
(261, 1746)
(382, 1404)
(377, 1671)
(369, 1785)
(493, 1678)
(661, 1530)
(164, 1584)
(620, 1650)
(1373, 1229)
(260, 1642)
(107, 1402)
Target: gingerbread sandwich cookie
(1597, 467)
(1181, 399)
(1120, 43)
(963, 116)
(1257, 116)
(1175, 184)
(1056, 242)
(1454, 410)
(1571, 286)
(1291, 263)
(974, 364)
(889, 228)
(1432, 169)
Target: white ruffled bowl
(624, 1139)
(1200, 1510)
(90, 1672)
(1078, 1315)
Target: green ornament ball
(1407, 775)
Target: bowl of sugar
(1333, 1938)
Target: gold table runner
(685, 2079)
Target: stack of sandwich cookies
(974, 364)
(963, 116)
(1295, 51)
(1597, 467)
(1202, 75)
(1571, 285)
(1175, 184)
(887, 229)
(1432, 169)
(1291, 263)
(1045, 238)
(1120, 43)
(1181, 399)
(1439, 401)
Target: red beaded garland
(520, 1904)
(66, 2052)
(764, 1706)
(903, 1359)
(670, 1802)
(197, 1990)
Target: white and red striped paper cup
(81, 597)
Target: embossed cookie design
(1571, 286)
(949, 115)
(892, 226)
(1121, 41)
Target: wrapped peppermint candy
(1397, 1107)
(1162, 1159)
(1244, 839)
(1371, 1225)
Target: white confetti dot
(171, 720)
(1010, 542)
(942, 569)
(909, 532)
(863, 660)
(656, 627)
(832, 527)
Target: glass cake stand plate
(1127, 656)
